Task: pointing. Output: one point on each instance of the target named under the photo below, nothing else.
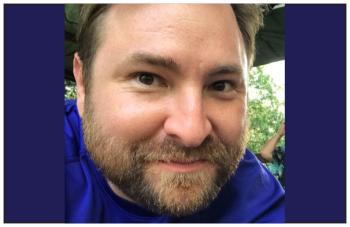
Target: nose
(187, 121)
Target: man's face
(166, 114)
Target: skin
(203, 95)
(269, 147)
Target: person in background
(271, 153)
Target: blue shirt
(251, 195)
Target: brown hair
(88, 41)
(249, 18)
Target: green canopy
(269, 40)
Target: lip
(183, 166)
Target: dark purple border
(315, 113)
(33, 109)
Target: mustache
(211, 150)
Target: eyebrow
(170, 64)
(155, 60)
(226, 69)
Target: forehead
(153, 16)
(174, 29)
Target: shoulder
(251, 166)
(251, 195)
(260, 189)
(72, 129)
(82, 203)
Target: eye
(146, 78)
(223, 85)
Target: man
(158, 130)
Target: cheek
(127, 117)
(229, 121)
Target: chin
(181, 194)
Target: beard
(133, 167)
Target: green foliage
(265, 118)
(263, 109)
(70, 91)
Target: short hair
(249, 19)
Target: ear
(79, 80)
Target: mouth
(184, 165)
